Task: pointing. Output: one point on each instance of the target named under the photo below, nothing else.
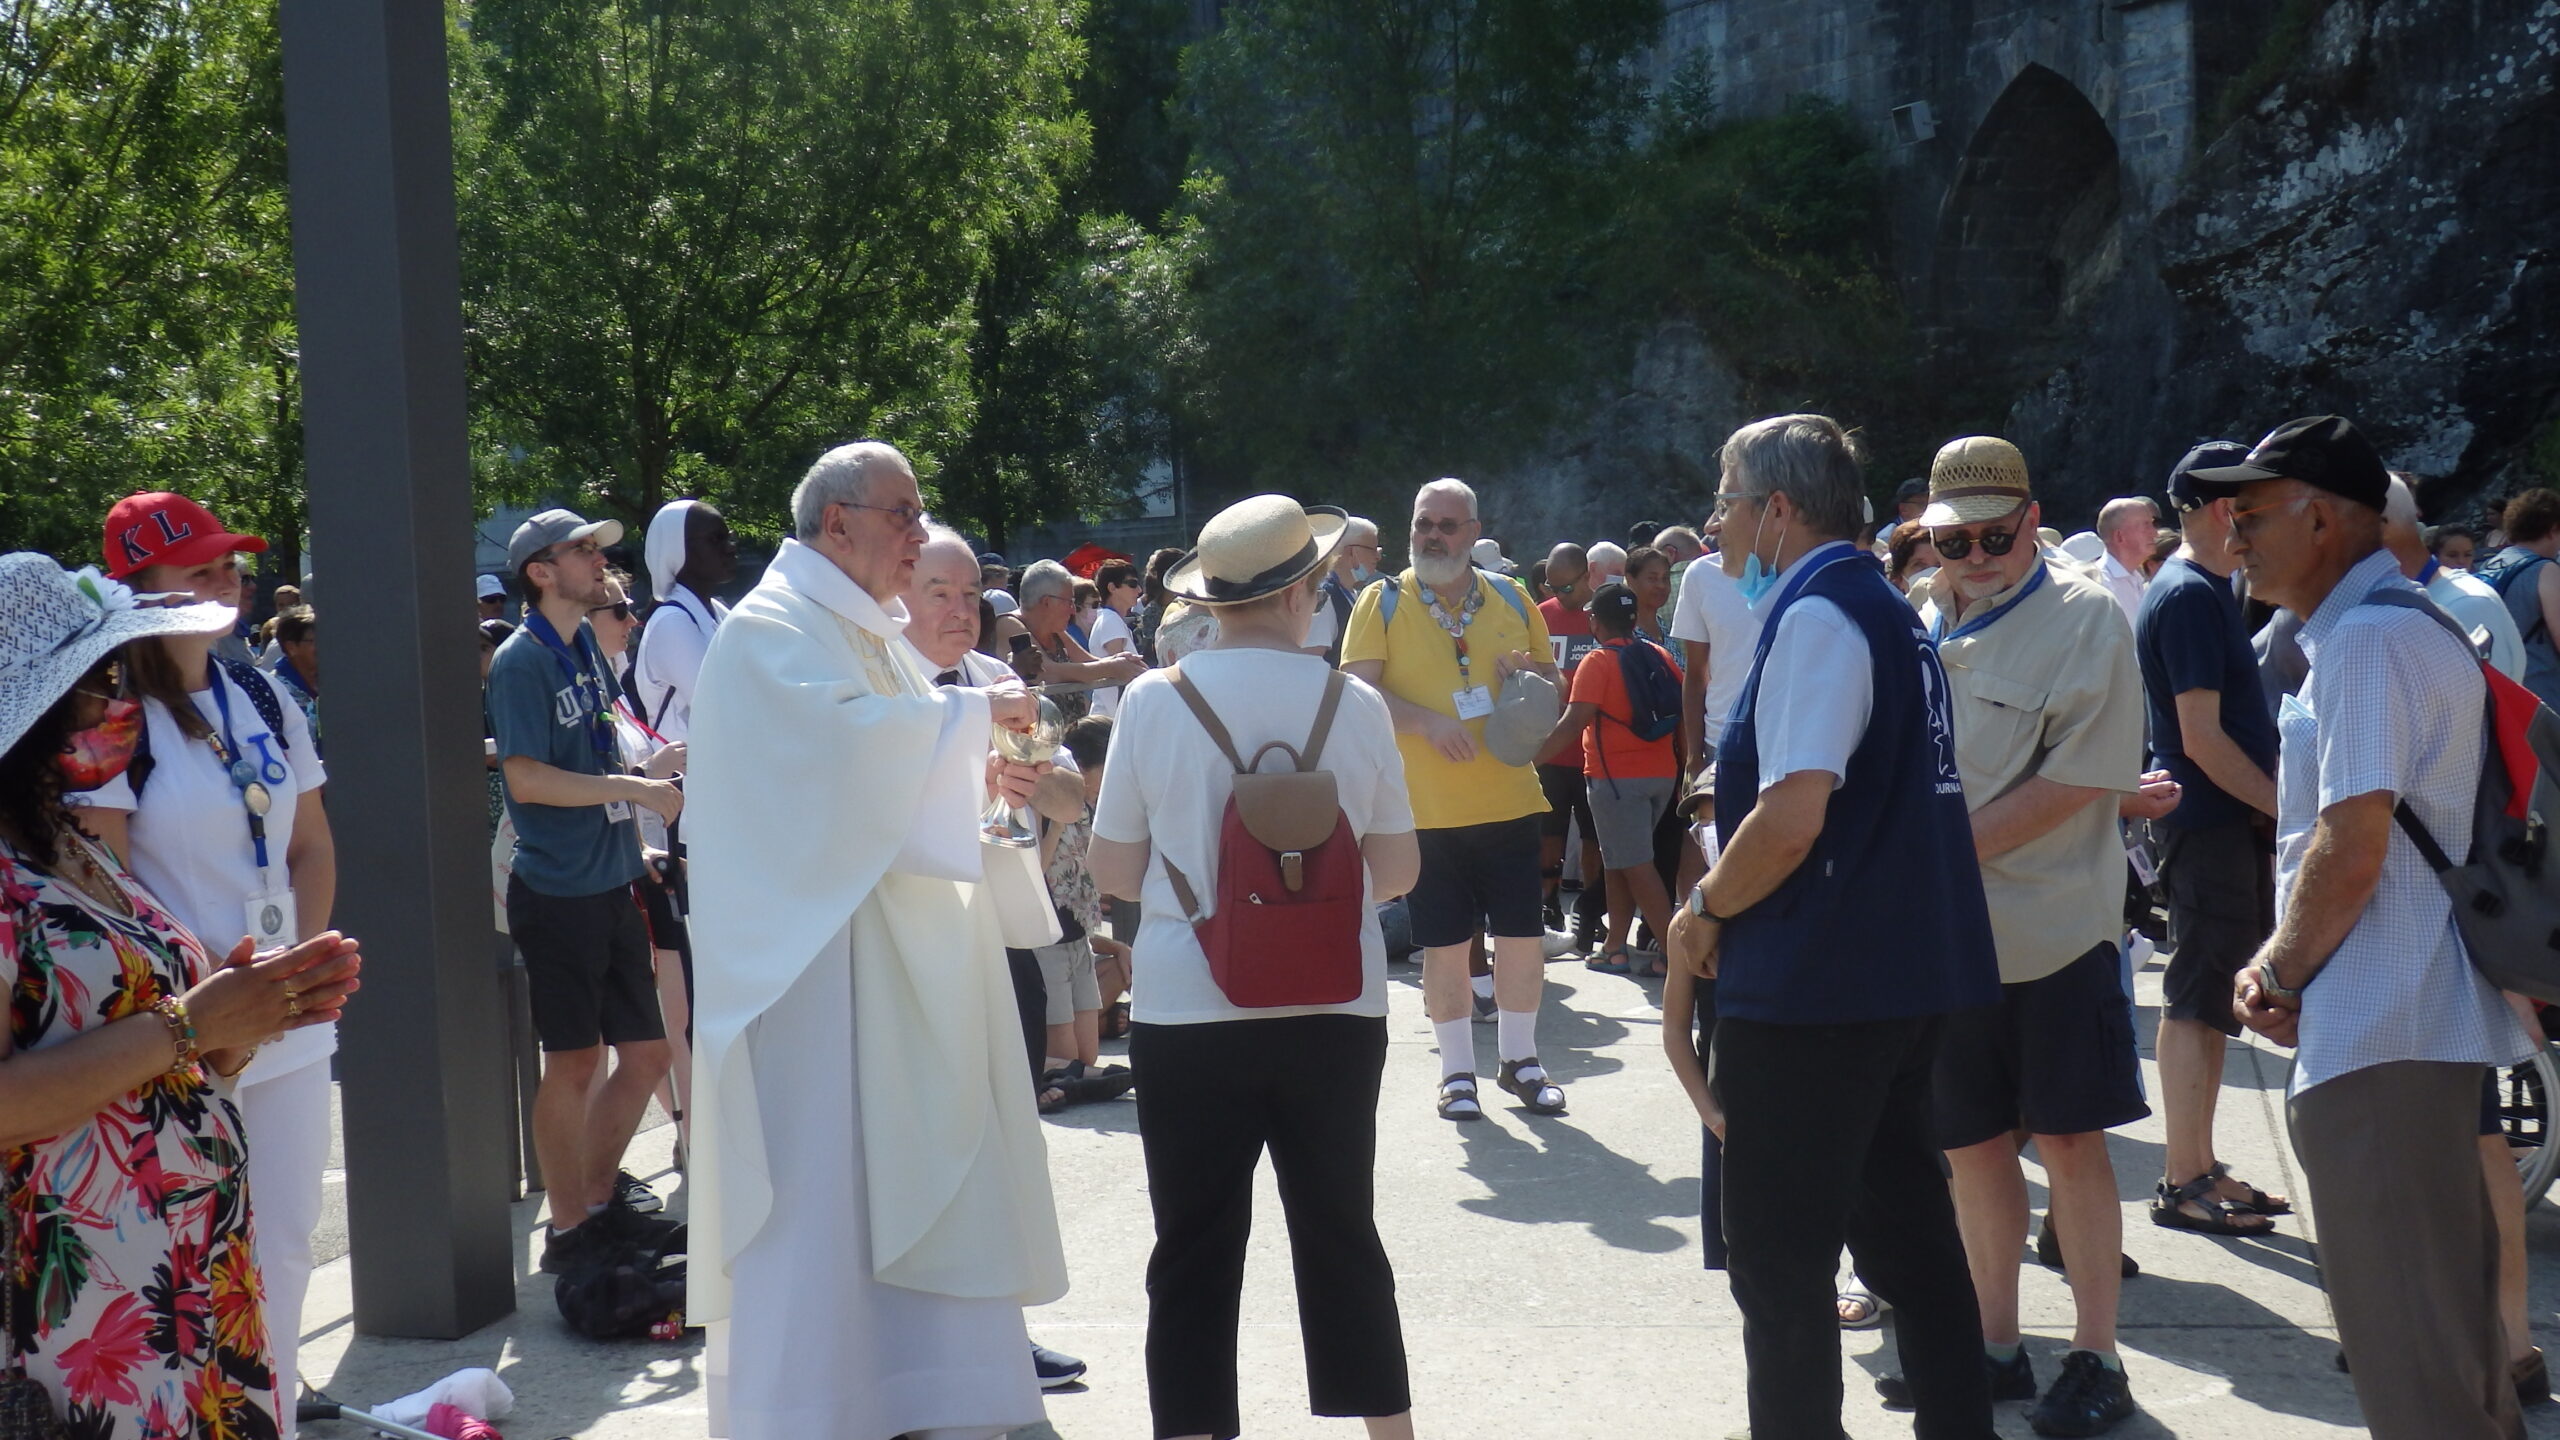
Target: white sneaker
(1559, 944)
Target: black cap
(2323, 451)
(1915, 488)
(2212, 454)
(1615, 603)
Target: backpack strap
(1325, 709)
(1208, 718)
(2410, 825)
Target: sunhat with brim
(1976, 478)
(1260, 545)
(56, 626)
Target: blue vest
(1885, 918)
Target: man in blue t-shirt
(2211, 730)
(570, 908)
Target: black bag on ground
(626, 1293)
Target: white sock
(1516, 1033)
(1483, 985)
(1457, 1045)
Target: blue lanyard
(246, 780)
(1939, 634)
(2429, 572)
(573, 665)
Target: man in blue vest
(1836, 783)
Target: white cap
(1004, 602)
(491, 588)
(1488, 556)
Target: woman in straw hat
(1226, 1081)
(120, 1155)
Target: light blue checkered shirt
(2392, 703)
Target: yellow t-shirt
(1422, 667)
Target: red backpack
(1291, 886)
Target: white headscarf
(664, 552)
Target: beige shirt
(2049, 688)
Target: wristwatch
(2268, 982)
(1698, 905)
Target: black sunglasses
(623, 610)
(1995, 544)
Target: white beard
(1437, 571)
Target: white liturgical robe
(869, 1182)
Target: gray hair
(1043, 578)
(2124, 510)
(1459, 488)
(1357, 527)
(842, 476)
(1807, 458)
(1607, 554)
(1681, 536)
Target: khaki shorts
(1067, 967)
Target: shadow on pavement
(1572, 1179)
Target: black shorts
(2054, 1055)
(2222, 899)
(586, 964)
(1568, 802)
(1477, 877)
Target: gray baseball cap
(557, 527)
(1523, 714)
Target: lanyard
(1456, 627)
(2429, 573)
(246, 778)
(581, 678)
(1940, 635)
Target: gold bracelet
(182, 1033)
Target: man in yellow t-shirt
(1439, 655)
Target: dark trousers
(1214, 1098)
(2408, 1248)
(1828, 1141)
(1031, 997)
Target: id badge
(1474, 703)
(270, 921)
(617, 811)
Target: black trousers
(1828, 1141)
(1214, 1097)
(1031, 997)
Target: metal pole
(423, 1054)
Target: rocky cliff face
(2376, 237)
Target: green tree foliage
(146, 336)
(1397, 241)
(703, 240)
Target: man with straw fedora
(1252, 1038)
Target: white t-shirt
(1107, 628)
(1167, 786)
(1710, 609)
(190, 843)
(672, 645)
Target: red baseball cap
(161, 528)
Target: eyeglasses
(907, 516)
(2245, 521)
(620, 610)
(1724, 503)
(1443, 526)
(1994, 543)
(551, 553)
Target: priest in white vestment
(869, 1180)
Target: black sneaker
(630, 1192)
(1056, 1370)
(2049, 1251)
(562, 1249)
(2011, 1379)
(2087, 1398)
(648, 1233)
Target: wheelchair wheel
(2524, 1112)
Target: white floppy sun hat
(55, 626)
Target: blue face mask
(1362, 575)
(1757, 578)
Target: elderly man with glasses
(868, 1169)
(2048, 736)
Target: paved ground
(1549, 1274)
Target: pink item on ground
(456, 1424)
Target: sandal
(2258, 1200)
(1541, 1096)
(1056, 1083)
(1655, 966)
(1458, 1097)
(1107, 1083)
(1870, 1308)
(2221, 1217)
(1616, 962)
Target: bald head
(1569, 575)
(942, 599)
(2129, 526)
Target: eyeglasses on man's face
(908, 517)
(1425, 525)
(551, 554)
(1725, 500)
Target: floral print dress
(133, 1295)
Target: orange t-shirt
(1609, 748)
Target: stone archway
(2029, 229)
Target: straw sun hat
(55, 626)
(1976, 478)
(1258, 546)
